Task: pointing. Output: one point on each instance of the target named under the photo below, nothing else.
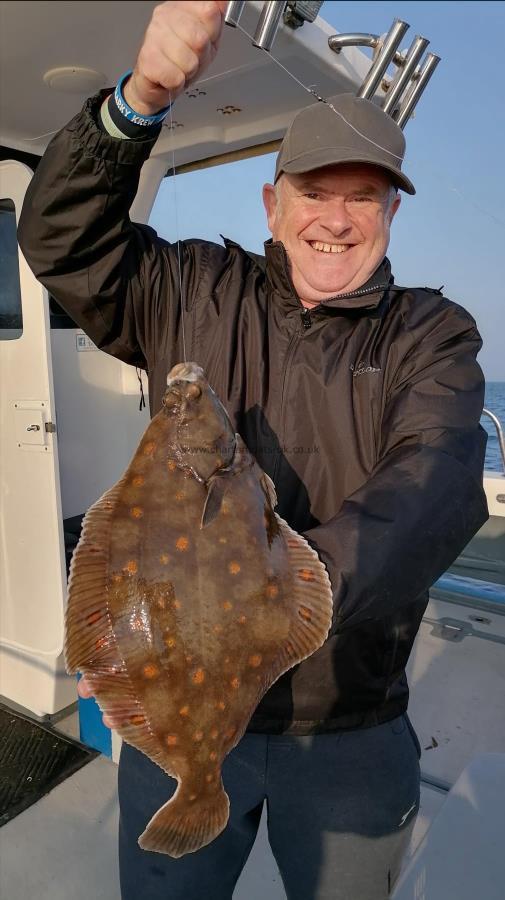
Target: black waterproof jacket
(364, 411)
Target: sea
(495, 403)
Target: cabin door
(32, 570)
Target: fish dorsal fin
(216, 489)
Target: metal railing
(499, 431)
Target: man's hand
(180, 42)
(85, 691)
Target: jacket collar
(366, 297)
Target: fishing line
(181, 294)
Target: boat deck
(66, 844)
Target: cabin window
(214, 201)
(11, 315)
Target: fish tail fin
(184, 825)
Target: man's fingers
(85, 691)
(84, 688)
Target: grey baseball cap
(354, 131)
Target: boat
(59, 395)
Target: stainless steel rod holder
(404, 74)
(418, 86)
(233, 12)
(383, 59)
(268, 25)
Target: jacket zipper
(287, 364)
(360, 293)
(306, 320)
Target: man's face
(334, 223)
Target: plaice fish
(188, 597)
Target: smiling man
(360, 398)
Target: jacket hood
(367, 296)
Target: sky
(452, 232)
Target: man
(360, 399)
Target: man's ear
(394, 207)
(270, 204)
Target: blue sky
(452, 232)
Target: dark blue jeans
(341, 808)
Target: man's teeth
(329, 248)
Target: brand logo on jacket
(362, 369)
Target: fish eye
(193, 392)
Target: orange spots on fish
(192, 797)
(180, 495)
(225, 508)
(149, 448)
(198, 676)
(94, 617)
(242, 619)
(137, 720)
(150, 671)
(234, 567)
(255, 660)
(184, 711)
(218, 629)
(198, 736)
(169, 641)
(306, 575)
(227, 605)
(214, 734)
(182, 543)
(209, 777)
(164, 559)
(221, 704)
(305, 613)
(176, 604)
(171, 465)
(131, 567)
(171, 740)
(272, 591)
(137, 512)
(138, 481)
(223, 540)
(213, 755)
(235, 683)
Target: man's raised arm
(75, 231)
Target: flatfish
(188, 597)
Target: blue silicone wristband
(130, 113)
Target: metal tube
(382, 60)
(414, 94)
(353, 39)
(404, 73)
(499, 432)
(268, 24)
(233, 12)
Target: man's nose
(335, 217)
